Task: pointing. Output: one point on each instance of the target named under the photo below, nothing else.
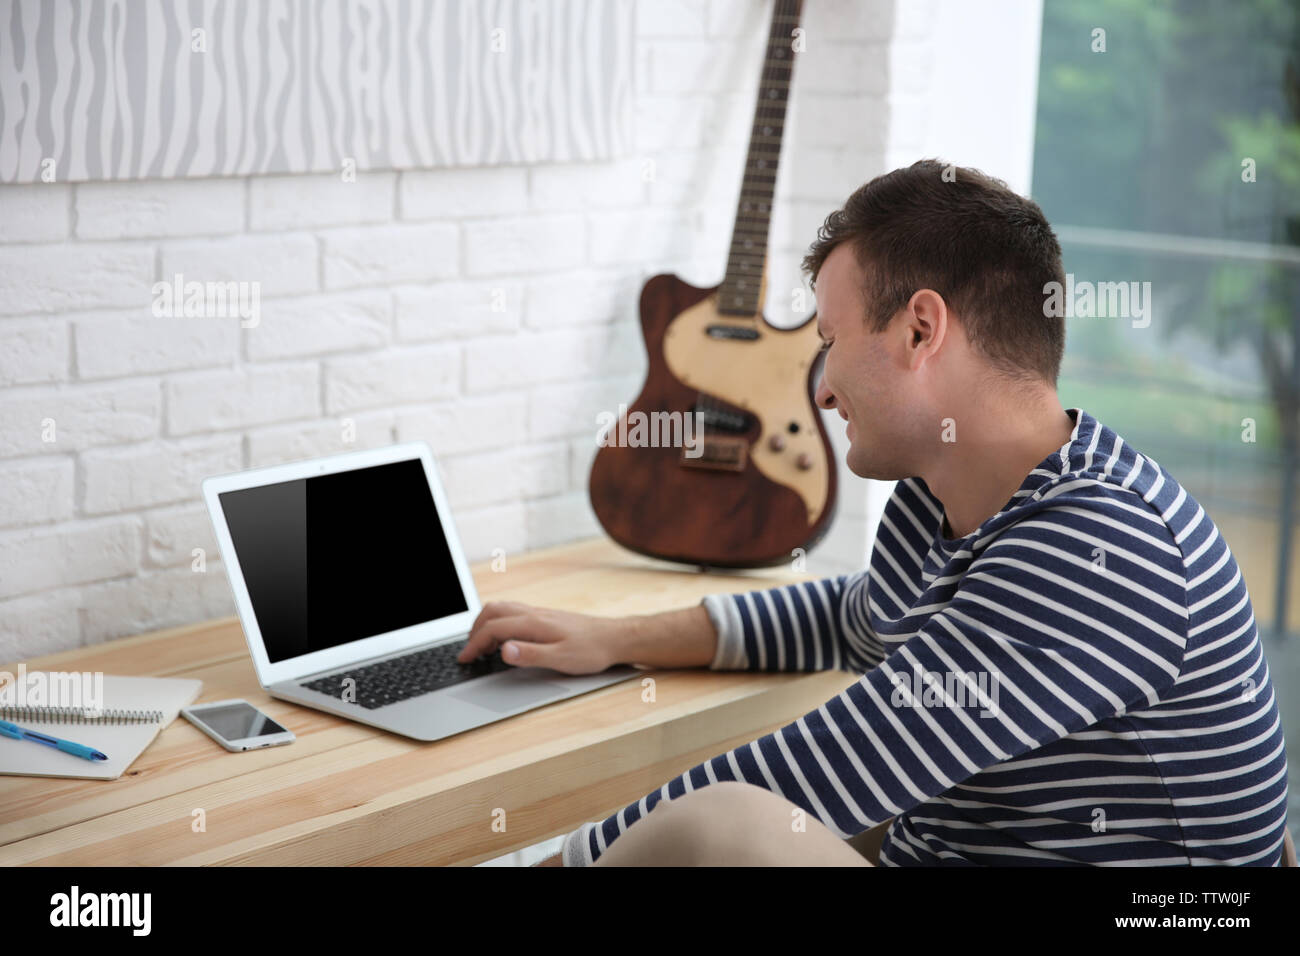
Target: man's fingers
(492, 611)
(526, 653)
(482, 639)
(489, 635)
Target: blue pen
(67, 746)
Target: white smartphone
(237, 725)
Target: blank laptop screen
(341, 557)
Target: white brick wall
(491, 312)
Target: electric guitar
(752, 479)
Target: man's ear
(925, 324)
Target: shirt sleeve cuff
(574, 851)
(730, 653)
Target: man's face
(864, 376)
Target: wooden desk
(346, 793)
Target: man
(1059, 656)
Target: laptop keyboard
(401, 678)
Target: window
(1167, 156)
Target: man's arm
(809, 626)
(683, 638)
(812, 625)
(571, 643)
(795, 627)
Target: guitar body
(746, 499)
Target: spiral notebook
(135, 710)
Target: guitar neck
(742, 287)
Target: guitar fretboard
(740, 289)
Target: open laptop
(355, 595)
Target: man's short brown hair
(988, 251)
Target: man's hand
(540, 637)
(584, 644)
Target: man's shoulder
(1126, 472)
(1107, 508)
(1102, 466)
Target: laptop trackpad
(513, 689)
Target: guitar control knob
(776, 443)
(804, 461)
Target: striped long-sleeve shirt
(1078, 681)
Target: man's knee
(716, 821)
(730, 823)
(723, 797)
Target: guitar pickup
(718, 454)
(741, 332)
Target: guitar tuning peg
(804, 461)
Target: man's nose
(824, 398)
